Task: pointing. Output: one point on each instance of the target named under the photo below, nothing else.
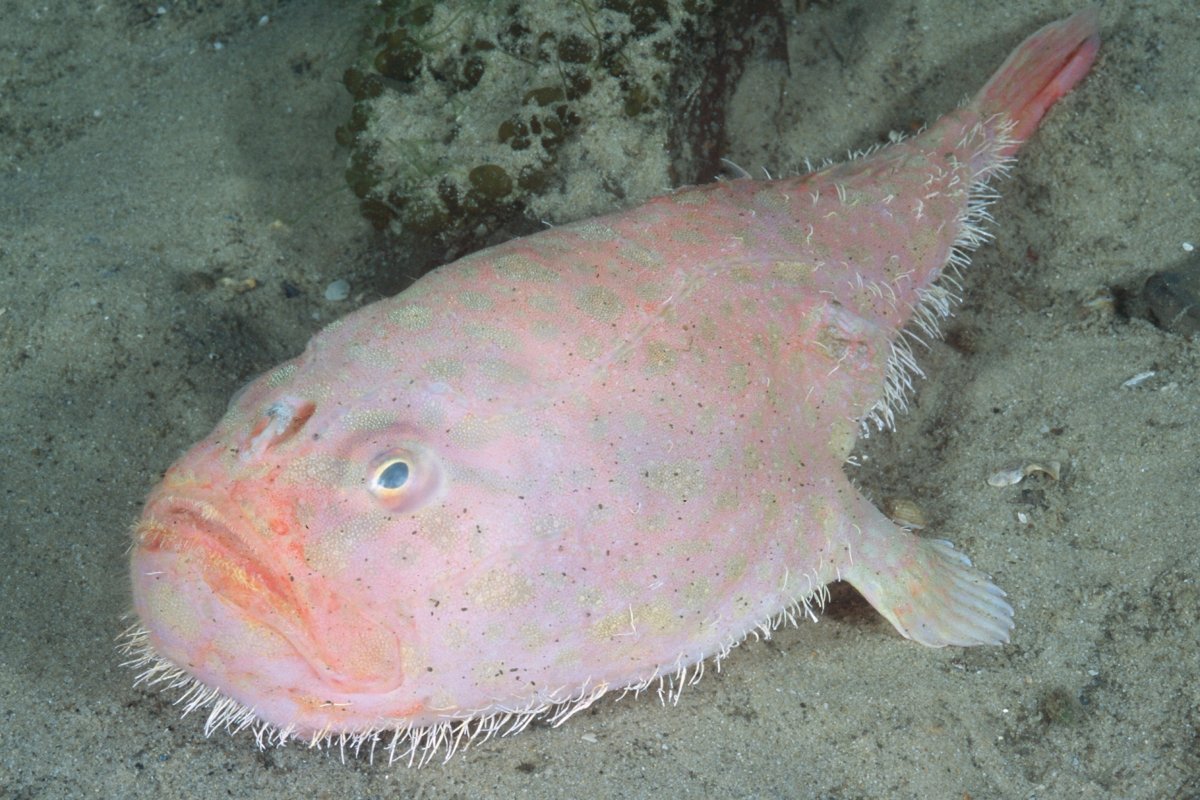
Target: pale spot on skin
(682, 480)
(534, 636)
(177, 614)
(738, 565)
(661, 358)
(793, 271)
(618, 624)
(523, 270)
(546, 330)
(737, 378)
(546, 526)
(651, 292)
(503, 371)
(318, 468)
(500, 336)
(744, 275)
(728, 499)
(371, 355)
(646, 619)
(281, 375)
(689, 236)
(770, 510)
(474, 431)
(691, 198)
(752, 457)
(330, 553)
(697, 548)
(772, 201)
(320, 391)
(591, 231)
(637, 254)
(412, 659)
(500, 589)
(590, 599)
(431, 413)
(445, 368)
(476, 301)
(842, 436)
(410, 317)
(797, 236)
(600, 303)
(439, 527)
(696, 593)
(653, 523)
(855, 197)
(459, 634)
(369, 420)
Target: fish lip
(184, 523)
(261, 589)
(180, 523)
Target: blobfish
(593, 459)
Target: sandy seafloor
(139, 164)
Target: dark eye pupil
(393, 476)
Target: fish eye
(404, 478)
(392, 475)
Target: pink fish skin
(586, 460)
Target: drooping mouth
(233, 605)
(175, 523)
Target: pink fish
(589, 460)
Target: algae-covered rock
(473, 116)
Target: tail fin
(928, 590)
(1042, 69)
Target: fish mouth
(179, 523)
(195, 528)
(238, 615)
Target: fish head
(283, 560)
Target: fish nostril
(281, 420)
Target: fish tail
(1041, 70)
(928, 590)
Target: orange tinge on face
(246, 617)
